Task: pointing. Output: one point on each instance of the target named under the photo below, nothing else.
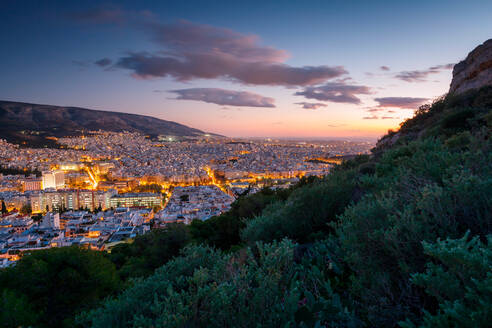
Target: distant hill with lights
(30, 124)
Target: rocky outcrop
(475, 71)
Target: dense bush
(460, 279)
(149, 251)
(48, 287)
(223, 231)
(307, 211)
(261, 286)
(430, 192)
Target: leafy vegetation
(260, 286)
(48, 287)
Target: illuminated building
(71, 200)
(53, 179)
(32, 184)
(136, 199)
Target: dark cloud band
(338, 92)
(225, 97)
(400, 102)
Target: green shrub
(429, 192)
(459, 277)
(149, 251)
(307, 211)
(53, 285)
(262, 287)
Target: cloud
(421, 75)
(307, 105)
(193, 51)
(338, 92)
(336, 125)
(103, 62)
(400, 102)
(442, 67)
(384, 68)
(101, 15)
(224, 97)
(373, 117)
(111, 14)
(389, 118)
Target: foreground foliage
(261, 286)
(48, 287)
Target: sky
(304, 69)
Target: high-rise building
(53, 179)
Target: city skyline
(312, 70)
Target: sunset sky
(241, 68)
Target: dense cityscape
(103, 188)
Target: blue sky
(239, 68)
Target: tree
(15, 310)
(56, 284)
(149, 251)
(26, 209)
(37, 218)
(4, 208)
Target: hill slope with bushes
(400, 238)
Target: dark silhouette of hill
(26, 123)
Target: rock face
(475, 71)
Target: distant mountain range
(30, 124)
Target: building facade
(53, 179)
(136, 199)
(71, 200)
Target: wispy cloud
(384, 68)
(111, 14)
(108, 14)
(338, 92)
(400, 102)
(224, 97)
(421, 75)
(103, 62)
(308, 105)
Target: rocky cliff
(475, 71)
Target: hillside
(400, 238)
(38, 121)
